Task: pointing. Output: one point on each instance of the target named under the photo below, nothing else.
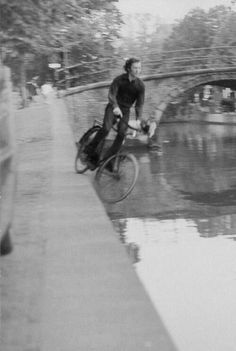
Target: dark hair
(129, 62)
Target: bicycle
(112, 185)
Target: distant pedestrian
(32, 88)
(46, 90)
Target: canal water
(179, 227)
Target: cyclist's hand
(117, 112)
(145, 126)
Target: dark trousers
(108, 121)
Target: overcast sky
(169, 10)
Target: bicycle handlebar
(98, 122)
(128, 125)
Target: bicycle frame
(99, 123)
(109, 170)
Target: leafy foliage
(143, 36)
(198, 28)
(46, 28)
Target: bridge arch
(162, 90)
(85, 103)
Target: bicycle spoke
(115, 186)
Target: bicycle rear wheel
(80, 159)
(114, 186)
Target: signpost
(54, 66)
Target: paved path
(69, 284)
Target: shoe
(92, 161)
(94, 158)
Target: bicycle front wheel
(80, 159)
(116, 177)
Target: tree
(200, 29)
(34, 27)
(191, 32)
(143, 36)
(225, 37)
(26, 29)
(226, 30)
(92, 46)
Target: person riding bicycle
(125, 90)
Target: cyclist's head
(133, 66)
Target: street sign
(54, 65)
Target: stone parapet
(7, 163)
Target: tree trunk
(23, 80)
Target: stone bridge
(87, 102)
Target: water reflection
(194, 177)
(206, 228)
(191, 279)
(179, 225)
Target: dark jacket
(124, 93)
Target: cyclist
(125, 90)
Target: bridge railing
(186, 59)
(104, 69)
